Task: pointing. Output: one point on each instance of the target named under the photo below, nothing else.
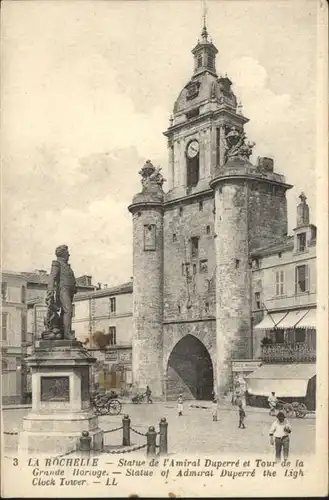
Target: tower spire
(204, 32)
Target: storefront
(290, 382)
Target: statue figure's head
(62, 252)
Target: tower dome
(205, 85)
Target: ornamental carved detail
(235, 145)
(151, 176)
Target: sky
(87, 89)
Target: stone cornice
(209, 115)
(145, 205)
(177, 322)
(247, 177)
(202, 194)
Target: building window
(23, 294)
(23, 327)
(149, 237)
(174, 237)
(73, 310)
(208, 229)
(211, 61)
(199, 61)
(206, 307)
(4, 289)
(301, 242)
(280, 283)
(112, 335)
(300, 335)
(194, 247)
(237, 263)
(255, 263)
(200, 205)
(302, 279)
(4, 326)
(257, 300)
(203, 266)
(113, 305)
(279, 336)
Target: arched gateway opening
(190, 370)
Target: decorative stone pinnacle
(151, 175)
(302, 197)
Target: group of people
(280, 429)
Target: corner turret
(147, 348)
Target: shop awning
(292, 318)
(308, 321)
(288, 380)
(270, 320)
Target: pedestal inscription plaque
(55, 389)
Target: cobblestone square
(194, 432)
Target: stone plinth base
(61, 408)
(53, 444)
(59, 433)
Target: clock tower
(192, 244)
(205, 110)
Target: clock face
(193, 149)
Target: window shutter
(307, 278)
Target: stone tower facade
(147, 212)
(218, 208)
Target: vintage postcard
(164, 279)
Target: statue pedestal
(61, 407)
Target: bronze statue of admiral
(61, 289)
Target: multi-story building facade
(103, 323)
(284, 314)
(14, 336)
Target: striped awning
(270, 321)
(286, 380)
(308, 320)
(293, 318)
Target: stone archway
(190, 370)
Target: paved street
(195, 431)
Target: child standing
(180, 402)
(242, 415)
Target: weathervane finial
(204, 33)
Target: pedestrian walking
(242, 414)
(280, 436)
(148, 393)
(273, 402)
(214, 409)
(180, 402)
